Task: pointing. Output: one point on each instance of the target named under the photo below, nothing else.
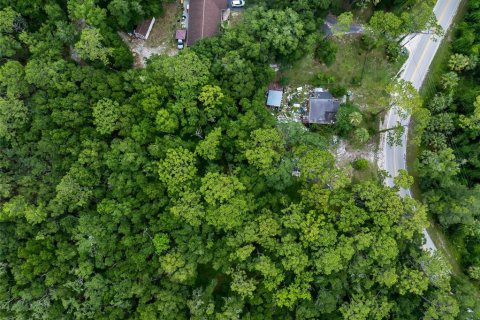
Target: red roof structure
(275, 86)
(180, 34)
(204, 19)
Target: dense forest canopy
(167, 192)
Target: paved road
(422, 48)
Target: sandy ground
(345, 154)
(141, 52)
(381, 147)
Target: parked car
(180, 44)
(181, 36)
(238, 3)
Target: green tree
(344, 21)
(458, 62)
(7, 20)
(211, 98)
(106, 114)
(265, 150)
(315, 166)
(474, 272)
(91, 47)
(209, 148)
(177, 170)
(450, 81)
(13, 117)
(472, 122)
(441, 167)
(186, 75)
(404, 97)
(344, 123)
(403, 180)
(442, 306)
(12, 80)
(326, 52)
(161, 242)
(421, 20)
(355, 118)
(242, 285)
(166, 121)
(386, 24)
(360, 164)
(361, 135)
(227, 207)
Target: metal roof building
(274, 98)
(323, 108)
(275, 95)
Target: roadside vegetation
(448, 160)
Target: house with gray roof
(322, 107)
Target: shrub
(326, 52)
(322, 79)
(121, 58)
(360, 164)
(393, 51)
(356, 81)
(343, 124)
(338, 91)
(361, 135)
(368, 42)
(284, 81)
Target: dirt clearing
(161, 39)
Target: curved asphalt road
(422, 50)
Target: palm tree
(361, 135)
(355, 118)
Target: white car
(180, 44)
(238, 3)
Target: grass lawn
(163, 31)
(369, 173)
(372, 74)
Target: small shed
(143, 30)
(275, 95)
(181, 34)
(323, 108)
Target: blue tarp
(274, 98)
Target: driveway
(422, 48)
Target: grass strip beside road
(439, 64)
